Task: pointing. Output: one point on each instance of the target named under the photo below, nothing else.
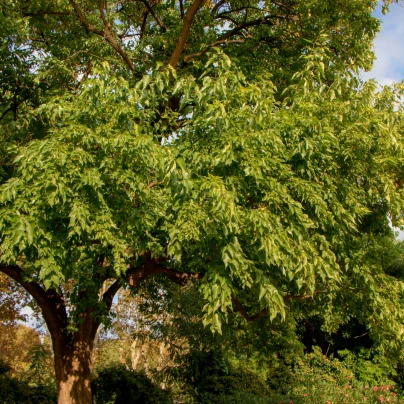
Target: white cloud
(389, 48)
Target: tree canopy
(231, 142)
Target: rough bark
(73, 373)
(72, 357)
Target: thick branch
(186, 27)
(89, 27)
(181, 278)
(90, 324)
(244, 313)
(50, 301)
(114, 44)
(110, 293)
(143, 24)
(151, 267)
(44, 12)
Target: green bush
(213, 379)
(301, 379)
(117, 385)
(315, 378)
(238, 397)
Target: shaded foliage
(118, 385)
(16, 391)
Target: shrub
(15, 391)
(213, 379)
(117, 385)
(316, 378)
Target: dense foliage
(230, 142)
(15, 390)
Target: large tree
(230, 142)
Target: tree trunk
(73, 372)
(73, 350)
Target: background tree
(16, 339)
(230, 142)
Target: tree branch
(90, 324)
(151, 267)
(155, 16)
(304, 296)
(265, 311)
(217, 6)
(226, 41)
(152, 184)
(181, 278)
(102, 14)
(110, 293)
(10, 109)
(186, 27)
(45, 12)
(106, 34)
(50, 301)
(89, 27)
(244, 313)
(86, 74)
(268, 19)
(143, 25)
(182, 9)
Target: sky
(389, 47)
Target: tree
(229, 142)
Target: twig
(358, 336)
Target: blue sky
(389, 47)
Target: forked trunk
(73, 373)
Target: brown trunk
(72, 350)
(73, 373)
